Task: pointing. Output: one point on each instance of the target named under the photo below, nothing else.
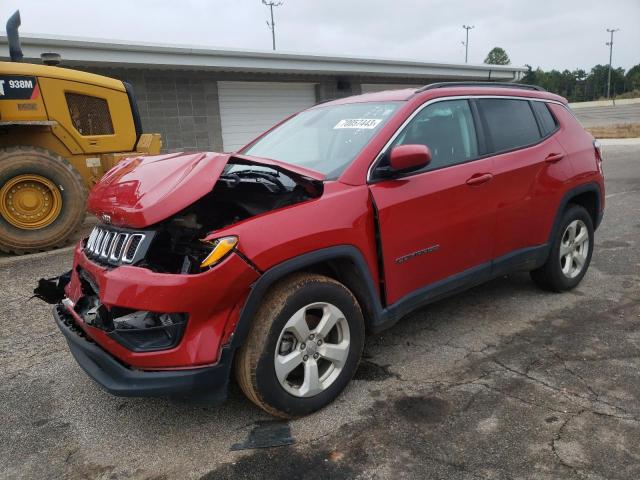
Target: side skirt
(524, 259)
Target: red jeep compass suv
(273, 262)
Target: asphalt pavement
(502, 381)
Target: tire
(62, 182)
(560, 272)
(256, 360)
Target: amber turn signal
(221, 247)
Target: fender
(279, 271)
(587, 187)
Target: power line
(272, 25)
(466, 43)
(610, 45)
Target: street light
(272, 25)
(466, 43)
(610, 45)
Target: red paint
(36, 92)
(141, 191)
(459, 217)
(207, 298)
(435, 208)
(409, 157)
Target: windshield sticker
(368, 123)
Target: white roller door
(380, 87)
(249, 108)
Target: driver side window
(445, 127)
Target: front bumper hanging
(208, 383)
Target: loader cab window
(89, 115)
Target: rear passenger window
(510, 123)
(547, 122)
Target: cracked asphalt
(502, 381)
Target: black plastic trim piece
(435, 291)
(133, 338)
(135, 112)
(523, 259)
(279, 271)
(478, 125)
(385, 317)
(209, 383)
(520, 86)
(566, 198)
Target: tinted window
(447, 129)
(510, 123)
(547, 122)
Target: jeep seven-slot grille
(114, 246)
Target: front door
(436, 225)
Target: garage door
(379, 87)
(249, 108)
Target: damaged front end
(176, 244)
(140, 285)
(51, 290)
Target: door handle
(554, 157)
(479, 178)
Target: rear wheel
(303, 347)
(42, 200)
(570, 253)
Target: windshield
(324, 139)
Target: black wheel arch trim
(281, 270)
(566, 199)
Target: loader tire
(42, 200)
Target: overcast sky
(551, 34)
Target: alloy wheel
(312, 349)
(574, 249)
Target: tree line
(577, 85)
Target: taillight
(598, 150)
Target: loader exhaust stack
(15, 50)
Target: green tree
(633, 77)
(531, 77)
(497, 56)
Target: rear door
(436, 224)
(529, 169)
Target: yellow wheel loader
(60, 131)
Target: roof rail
(522, 86)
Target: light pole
(466, 42)
(610, 45)
(272, 25)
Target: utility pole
(272, 25)
(610, 45)
(466, 43)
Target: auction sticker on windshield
(369, 123)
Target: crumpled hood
(141, 191)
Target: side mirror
(409, 158)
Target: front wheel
(303, 347)
(570, 252)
